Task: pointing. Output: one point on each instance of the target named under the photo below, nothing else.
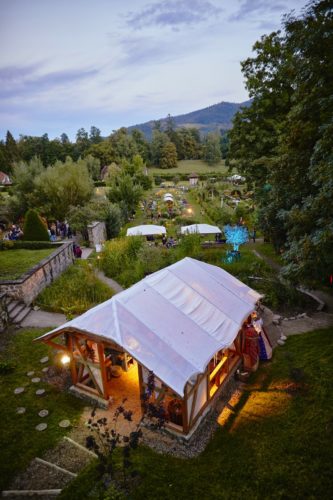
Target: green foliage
(190, 246)
(120, 254)
(168, 157)
(212, 149)
(62, 186)
(75, 291)
(284, 139)
(126, 193)
(34, 228)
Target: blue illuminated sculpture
(235, 235)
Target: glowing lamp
(65, 359)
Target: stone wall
(4, 317)
(96, 233)
(27, 288)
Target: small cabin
(193, 179)
(183, 323)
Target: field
(14, 263)
(189, 166)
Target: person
(265, 347)
(164, 239)
(171, 242)
(254, 235)
(77, 251)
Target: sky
(67, 64)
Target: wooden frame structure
(91, 373)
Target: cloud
(19, 81)
(257, 7)
(173, 14)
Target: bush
(34, 228)
(119, 254)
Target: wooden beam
(185, 412)
(100, 350)
(70, 346)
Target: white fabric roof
(174, 320)
(168, 195)
(145, 230)
(200, 228)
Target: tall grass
(75, 291)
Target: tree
(211, 149)
(125, 193)
(24, 179)
(160, 139)
(281, 143)
(12, 153)
(169, 156)
(34, 228)
(95, 135)
(63, 185)
(93, 165)
(103, 151)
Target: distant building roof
(193, 176)
(4, 179)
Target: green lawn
(276, 444)
(14, 263)
(19, 441)
(189, 166)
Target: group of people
(14, 233)
(59, 230)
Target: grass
(75, 291)
(268, 251)
(19, 441)
(14, 263)
(189, 166)
(276, 443)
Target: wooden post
(100, 350)
(72, 362)
(141, 387)
(185, 413)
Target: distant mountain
(216, 117)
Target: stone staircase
(45, 477)
(16, 310)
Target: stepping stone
(20, 410)
(43, 413)
(41, 427)
(40, 392)
(44, 360)
(19, 390)
(46, 369)
(280, 342)
(31, 374)
(283, 337)
(35, 380)
(64, 423)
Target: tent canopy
(146, 230)
(200, 229)
(173, 321)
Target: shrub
(190, 246)
(34, 228)
(119, 254)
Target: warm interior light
(65, 359)
(189, 210)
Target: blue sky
(67, 64)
